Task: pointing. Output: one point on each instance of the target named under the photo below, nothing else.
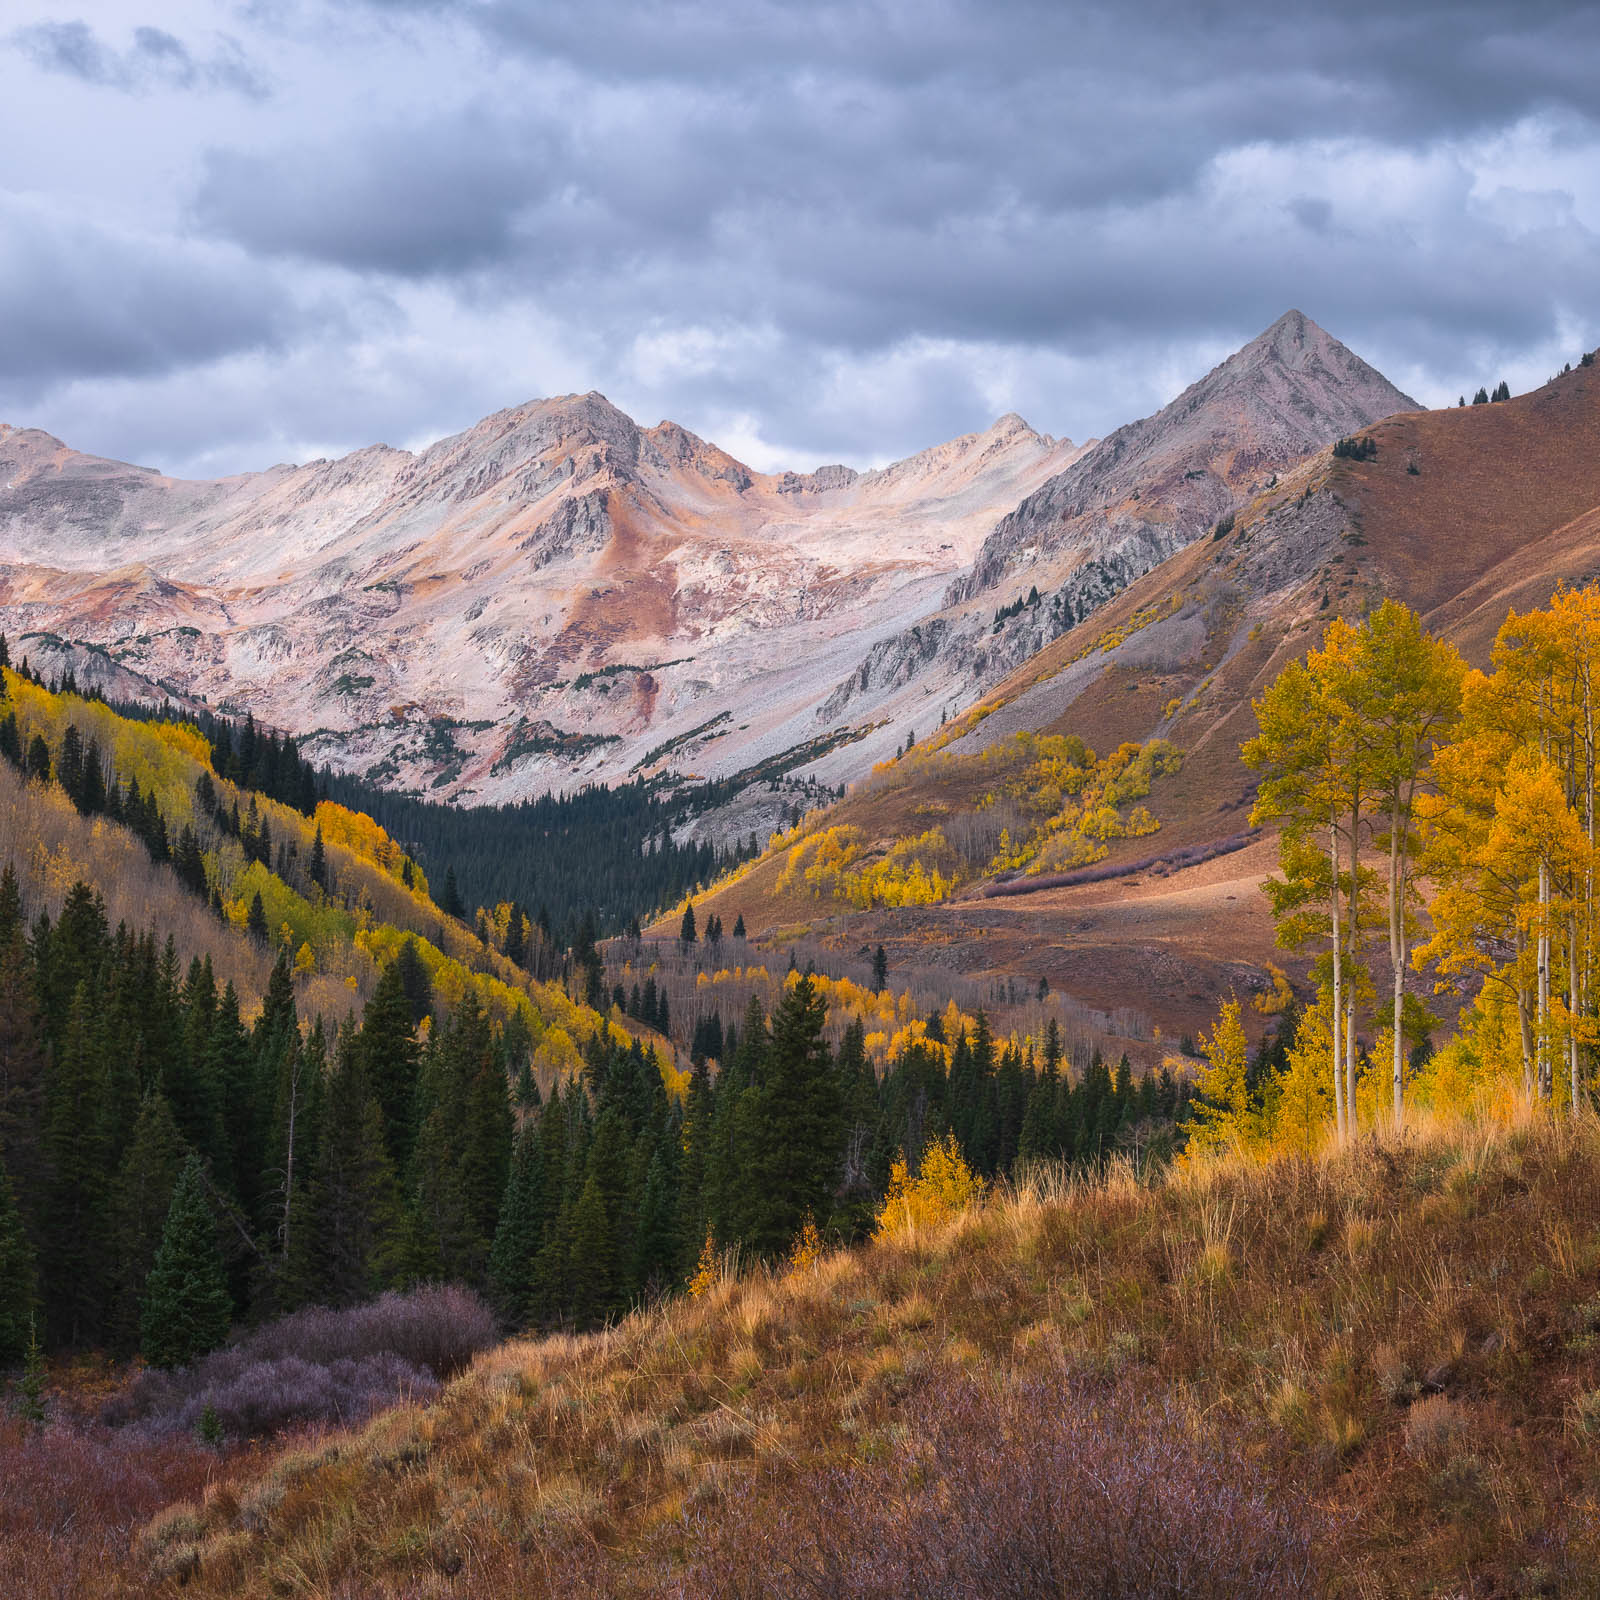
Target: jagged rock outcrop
(1128, 503)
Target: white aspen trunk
(1350, 993)
(1340, 1119)
(1543, 1039)
(1572, 1007)
(1397, 957)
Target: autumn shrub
(440, 1327)
(251, 1399)
(317, 1365)
(943, 1187)
(1008, 1493)
(71, 1495)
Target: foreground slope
(1373, 1373)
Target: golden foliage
(943, 1187)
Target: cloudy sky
(237, 233)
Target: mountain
(1125, 505)
(1461, 513)
(558, 596)
(554, 594)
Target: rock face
(1124, 506)
(558, 595)
(555, 594)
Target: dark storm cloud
(864, 172)
(155, 59)
(92, 301)
(850, 228)
(409, 198)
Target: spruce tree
(140, 1199)
(513, 1258)
(350, 1245)
(16, 1278)
(187, 1311)
(797, 1161)
(880, 969)
(686, 929)
(592, 1257)
(389, 1058)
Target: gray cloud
(812, 230)
(155, 59)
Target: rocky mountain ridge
(558, 595)
(553, 594)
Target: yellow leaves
(305, 961)
(1223, 1118)
(708, 1269)
(1282, 996)
(357, 833)
(1303, 1114)
(944, 1187)
(806, 1250)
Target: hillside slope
(1372, 1374)
(1124, 506)
(1462, 513)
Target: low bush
(1007, 1493)
(316, 1365)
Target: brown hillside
(1503, 507)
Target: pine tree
(39, 758)
(317, 865)
(797, 1159)
(592, 1257)
(389, 1060)
(686, 929)
(450, 895)
(519, 1234)
(351, 1241)
(140, 1199)
(738, 926)
(880, 970)
(187, 1311)
(16, 1278)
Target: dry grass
(1420, 1371)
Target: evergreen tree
(389, 1059)
(519, 1233)
(140, 1199)
(351, 1242)
(16, 1278)
(686, 928)
(880, 969)
(738, 926)
(187, 1310)
(797, 1159)
(592, 1257)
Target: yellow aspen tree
(1310, 751)
(1304, 1107)
(1410, 694)
(1222, 1114)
